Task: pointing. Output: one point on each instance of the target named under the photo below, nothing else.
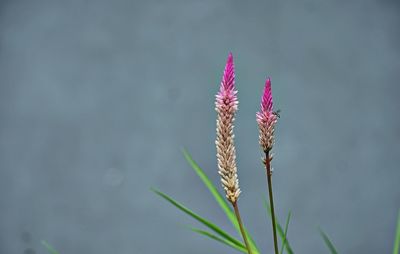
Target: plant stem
(236, 208)
(271, 198)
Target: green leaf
(241, 248)
(205, 222)
(219, 198)
(396, 247)
(281, 233)
(286, 230)
(49, 248)
(328, 242)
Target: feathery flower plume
(266, 119)
(226, 105)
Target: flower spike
(226, 105)
(266, 118)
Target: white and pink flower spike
(266, 118)
(226, 104)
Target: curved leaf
(241, 248)
(396, 246)
(281, 233)
(205, 222)
(49, 248)
(286, 230)
(218, 197)
(328, 242)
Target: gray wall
(98, 97)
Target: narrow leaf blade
(241, 248)
(49, 248)
(286, 230)
(279, 228)
(218, 197)
(396, 246)
(197, 217)
(328, 242)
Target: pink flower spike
(226, 104)
(266, 118)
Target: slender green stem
(396, 247)
(271, 198)
(236, 208)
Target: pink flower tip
(266, 115)
(228, 79)
(266, 100)
(266, 118)
(227, 93)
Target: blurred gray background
(98, 97)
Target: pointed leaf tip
(49, 248)
(327, 241)
(396, 247)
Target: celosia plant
(226, 105)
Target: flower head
(226, 97)
(226, 105)
(266, 118)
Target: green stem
(271, 198)
(236, 208)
